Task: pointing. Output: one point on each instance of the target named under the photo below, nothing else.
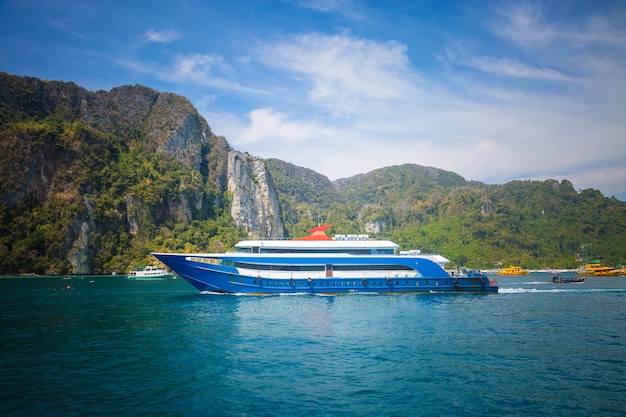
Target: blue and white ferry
(321, 264)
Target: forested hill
(537, 224)
(92, 182)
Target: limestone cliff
(100, 165)
(255, 205)
(89, 179)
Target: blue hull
(227, 279)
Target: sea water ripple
(110, 346)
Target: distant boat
(512, 270)
(148, 273)
(596, 269)
(558, 279)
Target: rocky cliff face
(64, 143)
(81, 254)
(175, 128)
(254, 206)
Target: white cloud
(164, 36)
(343, 7)
(344, 71)
(526, 24)
(510, 68)
(522, 24)
(199, 69)
(267, 126)
(205, 70)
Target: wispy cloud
(341, 71)
(526, 24)
(346, 8)
(505, 66)
(200, 69)
(266, 123)
(64, 25)
(208, 70)
(164, 36)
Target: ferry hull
(209, 277)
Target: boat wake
(558, 290)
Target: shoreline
(62, 276)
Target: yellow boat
(512, 270)
(596, 269)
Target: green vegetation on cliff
(536, 224)
(85, 189)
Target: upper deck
(319, 243)
(352, 244)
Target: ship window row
(270, 267)
(336, 283)
(205, 260)
(372, 268)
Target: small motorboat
(558, 279)
(512, 270)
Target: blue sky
(492, 90)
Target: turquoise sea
(108, 346)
